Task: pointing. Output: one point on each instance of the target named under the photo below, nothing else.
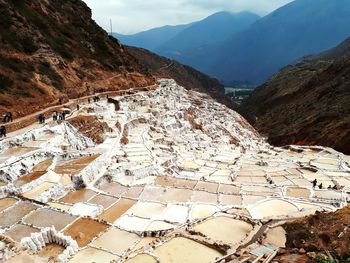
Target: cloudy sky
(131, 16)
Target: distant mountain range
(242, 47)
(306, 103)
(151, 39)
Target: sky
(132, 16)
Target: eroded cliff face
(306, 104)
(52, 49)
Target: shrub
(124, 140)
(5, 83)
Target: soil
(117, 210)
(91, 127)
(51, 251)
(84, 230)
(77, 196)
(42, 166)
(15, 213)
(320, 233)
(20, 231)
(6, 203)
(47, 218)
(28, 178)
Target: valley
(175, 171)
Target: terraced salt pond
(222, 228)
(173, 193)
(183, 250)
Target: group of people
(58, 116)
(320, 186)
(7, 117)
(95, 99)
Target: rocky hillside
(307, 103)
(323, 237)
(186, 76)
(53, 49)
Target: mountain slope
(53, 49)
(151, 39)
(211, 30)
(299, 28)
(186, 76)
(307, 103)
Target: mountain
(51, 50)
(211, 30)
(177, 41)
(162, 67)
(306, 103)
(151, 39)
(297, 29)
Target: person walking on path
(9, 117)
(41, 118)
(54, 116)
(2, 131)
(78, 107)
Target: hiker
(2, 131)
(314, 183)
(78, 106)
(329, 187)
(54, 116)
(89, 100)
(9, 117)
(320, 186)
(3, 117)
(41, 118)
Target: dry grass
(124, 140)
(91, 127)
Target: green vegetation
(56, 80)
(323, 259)
(5, 83)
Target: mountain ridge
(306, 103)
(53, 51)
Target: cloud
(131, 16)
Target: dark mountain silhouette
(307, 103)
(177, 41)
(297, 29)
(151, 39)
(211, 30)
(162, 67)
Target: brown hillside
(186, 76)
(317, 237)
(307, 103)
(51, 49)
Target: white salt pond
(226, 229)
(184, 250)
(272, 208)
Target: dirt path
(30, 120)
